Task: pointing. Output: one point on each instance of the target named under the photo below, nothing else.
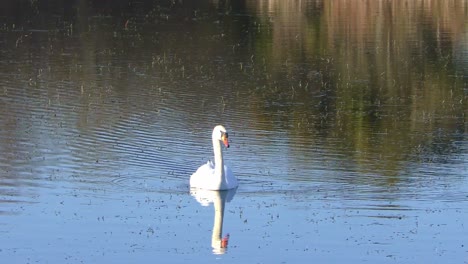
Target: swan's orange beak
(225, 140)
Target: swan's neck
(218, 156)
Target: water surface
(347, 121)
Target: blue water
(348, 136)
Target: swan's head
(220, 133)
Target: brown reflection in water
(377, 75)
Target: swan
(215, 176)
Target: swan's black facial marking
(224, 138)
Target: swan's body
(215, 176)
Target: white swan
(215, 176)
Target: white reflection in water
(219, 199)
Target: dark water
(347, 121)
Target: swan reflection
(219, 199)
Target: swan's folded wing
(231, 180)
(199, 177)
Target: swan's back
(205, 178)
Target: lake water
(347, 123)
